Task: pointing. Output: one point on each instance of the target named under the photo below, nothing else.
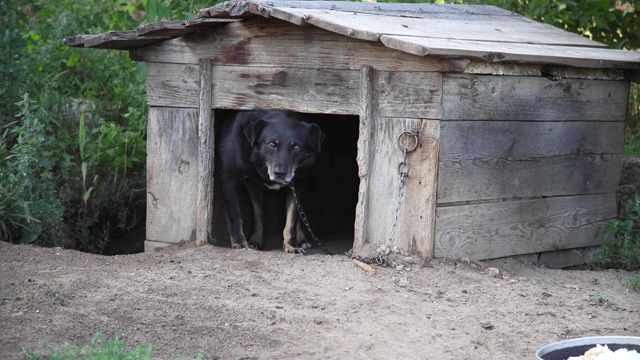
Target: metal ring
(411, 134)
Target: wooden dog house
(520, 124)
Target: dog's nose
(279, 173)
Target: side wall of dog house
(528, 164)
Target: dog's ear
(252, 131)
(317, 136)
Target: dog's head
(282, 146)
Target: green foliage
(634, 283)
(94, 148)
(623, 250)
(28, 205)
(100, 348)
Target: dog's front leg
(256, 194)
(290, 228)
(234, 219)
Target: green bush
(91, 111)
(29, 207)
(623, 250)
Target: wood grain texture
(525, 140)
(172, 174)
(425, 10)
(364, 156)
(483, 179)
(498, 229)
(415, 220)
(206, 136)
(246, 88)
(372, 26)
(479, 97)
(273, 43)
(306, 90)
(586, 57)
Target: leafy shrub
(623, 251)
(28, 204)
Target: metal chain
(403, 169)
(303, 217)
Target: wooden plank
(491, 51)
(76, 41)
(272, 43)
(204, 216)
(482, 160)
(172, 174)
(414, 233)
(246, 88)
(408, 94)
(484, 179)
(524, 140)
(372, 27)
(506, 228)
(478, 97)
(121, 40)
(164, 28)
(364, 156)
(304, 90)
(239, 8)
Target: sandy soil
(243, 304)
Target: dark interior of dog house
(330, 195)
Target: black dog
(268, 148)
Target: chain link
(303, 217)
(403, 170)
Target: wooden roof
(470, 31)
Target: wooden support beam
(205, 155)
(364, 139)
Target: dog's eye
(295, 148)
(273, 145)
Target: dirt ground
(244, 304)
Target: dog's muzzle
(280, 175)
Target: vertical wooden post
(363, 157)
(205, 155)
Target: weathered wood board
(513, 52)
(425, 10)
(415, 224)
(506, 228)
(495, 178)
(479, 97)
(470, 97)
(485, 160)
(206, 152)
(172, 174)
(272, 43)
(304, 90)
(372, 27)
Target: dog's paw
(254, 246)
(294, 250)
(305, 245)
(240, 246)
